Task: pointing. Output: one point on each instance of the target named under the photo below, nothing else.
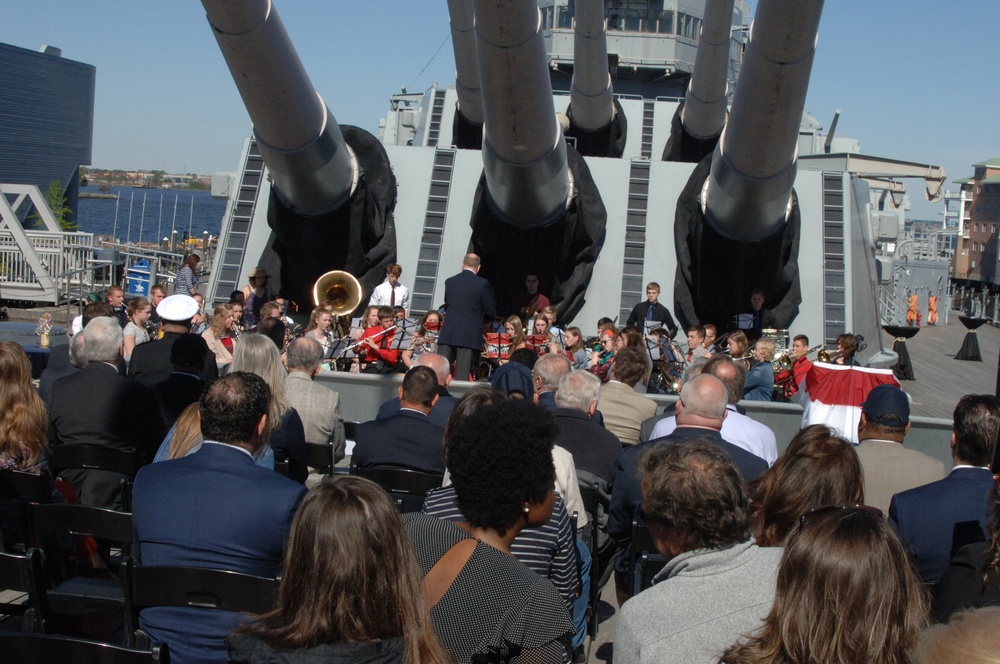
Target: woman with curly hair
(500, 460)
(846, 592)
(350, 587)
(818, 468)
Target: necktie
(392, 296)
(649, 313)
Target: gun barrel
(748, 190)
(463, 39)
(704, 113)
(524, 152)
(299, 139)
(591, 93)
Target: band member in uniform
(376, 356)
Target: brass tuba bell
(339, 287)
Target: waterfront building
(975, 262)
(47, 106)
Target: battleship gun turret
(739, 209)
(332, 186)
(537, 209)
(467, 130)
(596, 120)
(699, 120)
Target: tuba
(342, 289)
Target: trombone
(787, 360)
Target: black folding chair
(321, 456)
(644, 561)
(82, 594)
(283, 468)
(19, 648)
(408, 488)
(98, 457)
(193, 587)
(21, 489)
(26, 574)
(596, 502)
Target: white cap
(177, 308)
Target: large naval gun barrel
(332, 191)
(596, 121)
(738, 209)
(699, 121)
(537, 209)
(468, 125)
(753, 168)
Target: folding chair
(25, 574)
(408, 488)
(51, 648)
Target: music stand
(338, 350)
(653, 349)
(402, 334)
(649, 325)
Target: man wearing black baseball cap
(888, 466)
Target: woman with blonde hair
(350, 587)
(257, 354)
(818, 468)
(846, 592)
(759, 383)
(221, 322)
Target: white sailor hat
(178, 308)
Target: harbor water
(150, 215)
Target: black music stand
(339, 349)
(970, 345)
(903, 369)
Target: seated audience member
(889, 467)
(759, 383)
(22, 435)
(547, 372)
(77, 361)
(845, 557)
(446, 402)
(971, 636)
(407, 439)
(286, 434)
(693, 369)
(184, 386)
(514, 378)
(595, 450)
(818, 468)
(350, 586)
(487, 604)
(218, 327)
(937, 519)
(97, 406)
(972, 578)
(737, 428)
(717, 583)
(700, 412)
(214, 509)
(274, 329)
(623, 408)
(317, 406)
(150, 362)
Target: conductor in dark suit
(408, 439)
(150, 362)
(214, 508)
(97, 406)
(937, 519)
(468, 303)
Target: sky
(913, 80)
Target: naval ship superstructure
(600, 143)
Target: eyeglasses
(805, 518)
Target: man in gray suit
(318, 406)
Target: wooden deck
(941, 379)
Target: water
(186, 211)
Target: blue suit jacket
(408, 439)
(214, 509)
(468, 301)
(937, 519)
(439, 415)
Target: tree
(55, 198)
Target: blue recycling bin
(138, 278)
